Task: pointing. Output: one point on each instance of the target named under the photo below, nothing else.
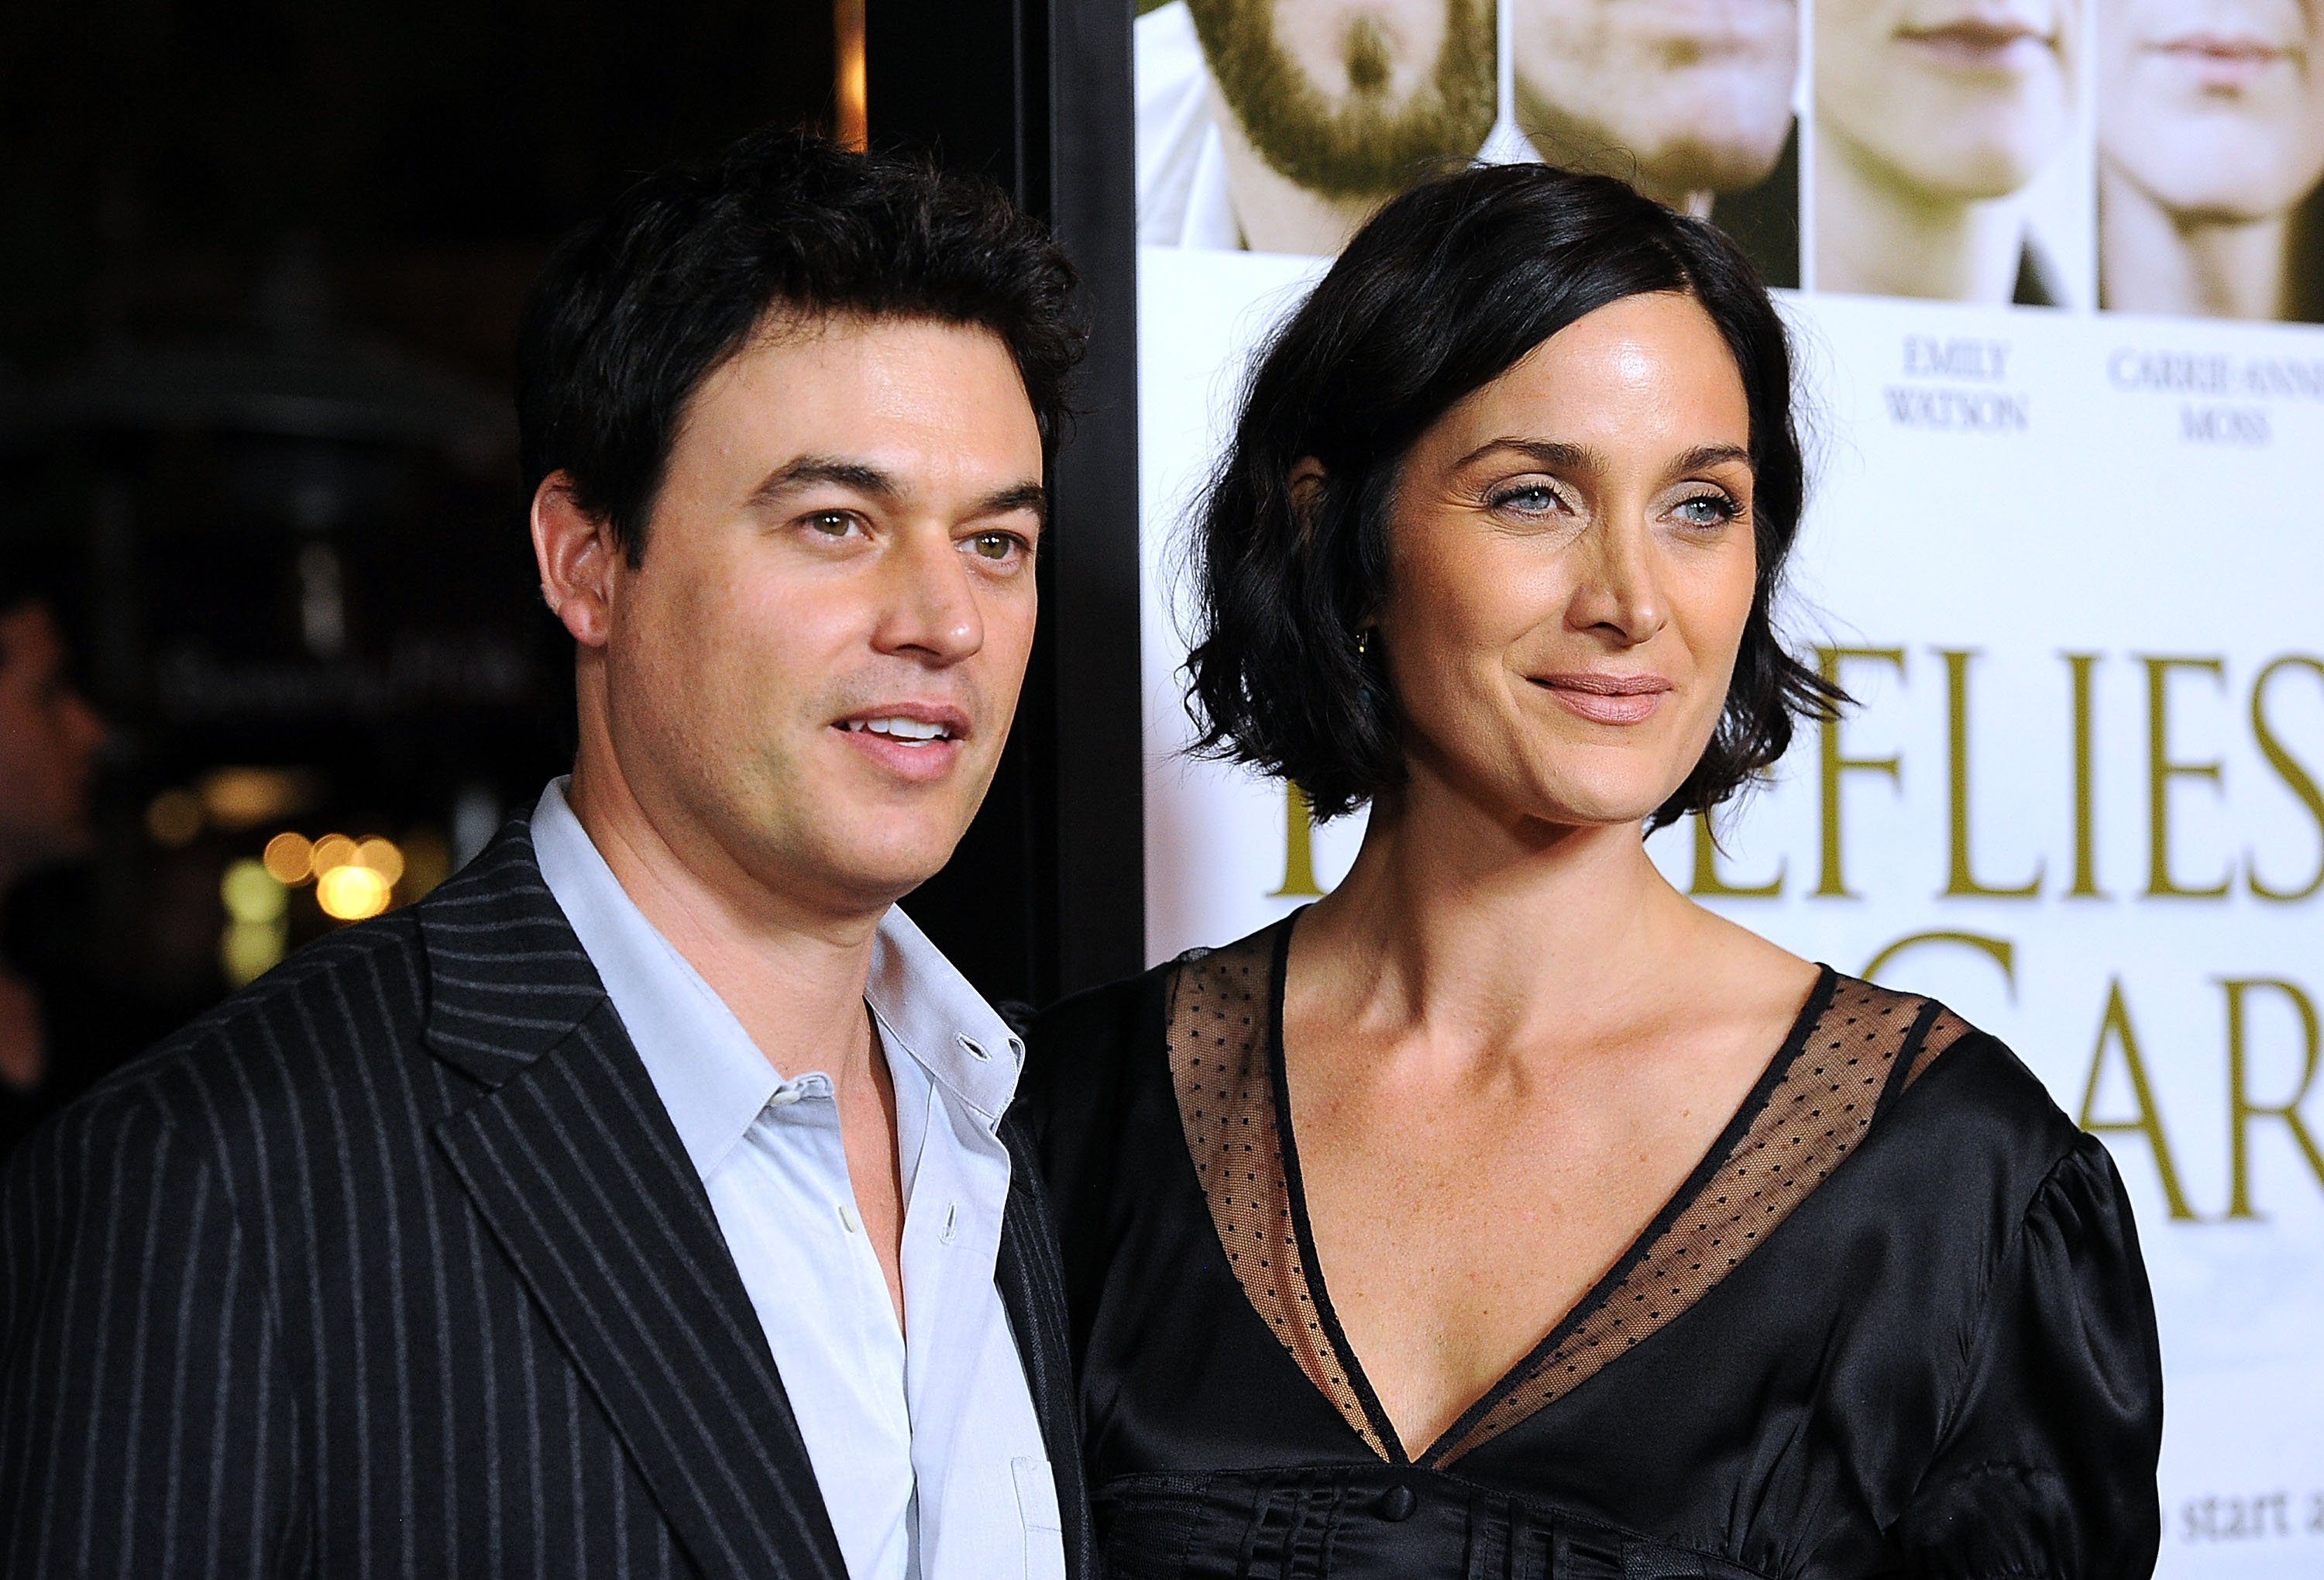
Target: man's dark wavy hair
(1442, 291)
(633, 310)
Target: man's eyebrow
(805, 471)
(808, 471)
(1004, 502)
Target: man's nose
(929, 608)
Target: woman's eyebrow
(1704, 457)
(1551, 454)
(1557, 454)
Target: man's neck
(793, 974)
(2222, 269)
(1875, 237)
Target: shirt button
(847, 1218)
(1397, 1502)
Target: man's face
(1954, 99)
(1353, 98)
(2214, 106)
(1697, 92)
(49, 741)
(810, 675)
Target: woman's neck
(1876, 236)
(1489, 935)
(2209, 268)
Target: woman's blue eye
(1527, 499)
(1707, 510)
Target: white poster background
(2019, 485)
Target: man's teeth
(902, 729)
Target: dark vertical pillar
(1046, 895)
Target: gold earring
(1363, 642)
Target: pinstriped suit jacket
(393, 1265)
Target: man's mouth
(905, 732)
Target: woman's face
(1956, 99)
(2214, 107)
(1571, 567)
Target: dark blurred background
(260, 274)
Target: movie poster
(2051, 266)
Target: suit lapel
(1030, 1274)
(572, 1162)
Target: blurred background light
(248, 950)
(235, 798)
(174, 818)
(252, 893)
(381, 856)
(291, 858)
(351, 892)
(331, 853)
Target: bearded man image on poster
(2210, 153)
(1933, 117)
(1691, 104)
(1280, 125)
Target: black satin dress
(1895, 1324)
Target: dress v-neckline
(1595, 1297)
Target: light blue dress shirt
(926, 1448)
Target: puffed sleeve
(2046, 1470)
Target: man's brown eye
(995, 545)
(830, 522)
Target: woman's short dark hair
(1442, 291)
(636, 309)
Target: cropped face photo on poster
(1691, 102)
(1281, 125)
(2210, 154)
(1934, 120)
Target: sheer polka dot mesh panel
(1219, 1031)
(1815, 1117)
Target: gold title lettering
(2242, 1110)
(2115, 1027)
(2086, 840)
(1831, 661)
(2161, 770)
(1961, 881)
(2288, 768)
(1709, 880)
(1299, 847)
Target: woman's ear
(1306, 489)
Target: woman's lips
(1987, 46)
(1607, 699)
(2222, 62)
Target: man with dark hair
(638, 1203)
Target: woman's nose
(1620, 592)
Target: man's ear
(579, 560)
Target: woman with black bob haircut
(1505, 1213)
